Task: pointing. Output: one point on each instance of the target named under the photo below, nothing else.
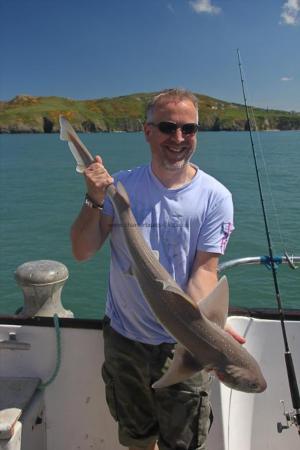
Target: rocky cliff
(29, 114)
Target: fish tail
(64, 128)
(80, 152)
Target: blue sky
(103, 48)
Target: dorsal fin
(215, 305)
(170, 286)
(122, 191)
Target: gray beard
(177, 165)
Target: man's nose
(178, 135)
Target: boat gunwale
(96, 324)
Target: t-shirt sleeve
(217, 227)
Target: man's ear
(147, 131)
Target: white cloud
(290, 12)
(171, 8)
(286, 78)
(205, 6)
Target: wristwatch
(90, 203)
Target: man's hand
(230, 330)
(90, 229)
(97, 180)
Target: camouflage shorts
(178, 416)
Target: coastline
(40, 115)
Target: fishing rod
(293, 417)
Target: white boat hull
(249, 422)
(76, 416)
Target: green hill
(28, 114)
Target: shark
(197, 327)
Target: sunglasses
(171, 127)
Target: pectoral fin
(183, 366)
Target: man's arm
(202, 281)
(91, 228)
(88, 232)
(204, 276)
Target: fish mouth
(251, 387)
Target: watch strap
(90, 203)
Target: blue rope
(266, 261)
(58, 355)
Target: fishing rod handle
(292, 380)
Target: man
(186, 217)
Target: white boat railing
(264, 260)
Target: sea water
(41, 194)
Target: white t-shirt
(176, 223)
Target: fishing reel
(292, 418)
